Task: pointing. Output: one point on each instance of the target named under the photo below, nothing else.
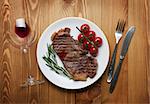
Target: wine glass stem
(24, 49)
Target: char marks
(74, 58)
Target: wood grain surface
(133, 86)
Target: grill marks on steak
(74, 58)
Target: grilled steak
(74, 58)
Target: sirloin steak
(75, 59)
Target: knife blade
(127, 41)
(124, 50)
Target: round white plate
(71, 22)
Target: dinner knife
(124, 50)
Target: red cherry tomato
(93, 51)
(98, 41)
(91, 35)
(85, 28)
(81, 38)
(86, 45)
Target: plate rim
(62, 19)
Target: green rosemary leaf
(51, 62)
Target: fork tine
(122, 26)
(118, 25)
(120, 29)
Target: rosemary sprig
(51, 62)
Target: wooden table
(134, 81)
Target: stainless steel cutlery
(124, 49)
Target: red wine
(22, 31)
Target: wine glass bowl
(22, 37)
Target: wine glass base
(31, 82)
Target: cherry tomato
(98, 41)
(81, 38)
(93, 51)
(85, 28)
(91, 35)
(86, 45)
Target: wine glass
(23, 37)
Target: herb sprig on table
(51, 62)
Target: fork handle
(116, 75)
(112, 64)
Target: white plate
(71, 22)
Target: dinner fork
(118, 35)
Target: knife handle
(112, 64)
(115, 78)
